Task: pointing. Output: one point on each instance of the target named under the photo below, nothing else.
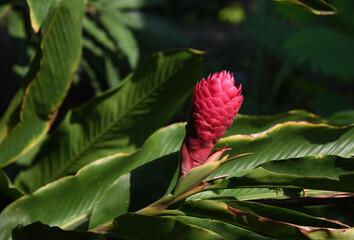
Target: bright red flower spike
(214, 106)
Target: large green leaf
(327, 50)
(270, 221)
(248, 124)
(120, 119)
(75, 196)
(226, 230)
(342, 118)
(286, 140)
(110, 205)
(8, 193)
(140, 227)
(136, 190)
(47, 82)
(39, 11)
(323, 173)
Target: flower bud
(214, 106)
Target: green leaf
(331, 56)
(49, 79)
(120, 119)
(38, 230)
(318, 7)
(135, 226)
(123, 37)
(136, 190)
(75, 196)
(17, 25)
(39, 11)
(8, 193)
(98, 34)
(270, 221)
(240, 194)
(342, 118)
(323, 173)
(226, 230)
(286, 140)
(248, 124)
(112, 72)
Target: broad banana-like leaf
(284, 141)
(248, 124)
(32, 110)
(279, 223)
(120, 119)
(75, 196)
(323, 173)
(136, 190)
(8, 193)
(39, 10)
(226, 230)
(109, 204)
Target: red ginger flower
(214, 106)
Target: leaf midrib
(70, 163)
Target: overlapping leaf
(7, 192)
(29, 115)
(75, 196)
(151, 227)
(287, 140)
(103, 181)
(39, 10)
(136, 190)
(120, 119)
(270, 221)
(108, 205)
(248, 124)
(327, 173)
(226, 230)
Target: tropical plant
(111, 167)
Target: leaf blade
(111, 122)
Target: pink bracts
(214, 106)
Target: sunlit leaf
(270, 221)
(33, 109)
(75, 196)
(318, 7)
(120, 119)
(40, 10)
